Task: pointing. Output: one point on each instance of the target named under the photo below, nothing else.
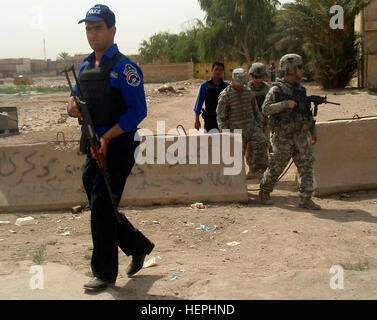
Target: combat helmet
(289, 62)
(239, 76)
(258, 69)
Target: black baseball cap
(98, 13)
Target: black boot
(96, 284)
(138, 262)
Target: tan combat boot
(308, 203)
(265, 197)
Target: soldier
(260, 88)
(272, 71)
(235, 110)
(293, 133)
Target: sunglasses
(257, 77)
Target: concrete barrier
(45, 177)
(346, 156)
(39, 177)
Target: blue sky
(25, 23)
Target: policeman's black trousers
(210, 122)
(107, 233)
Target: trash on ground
(189, 224)
(25, 221)
(205, 228)
(197, 205)
(246, 231)
(233, 243)
(67, 233)
(1, 240)
(12, 231)
(4, 222)
(152, 262)
(77, 209)
(156, 222)
(223, 250)
(166, 88)
(175, 276)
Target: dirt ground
(283, 252)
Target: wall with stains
(46, 177)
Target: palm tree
(303, 27)
(237, 28)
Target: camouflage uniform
(236, 110)
(291, 138)
(260, 95)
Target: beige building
(14, 67)
(76, 60)
(366, 26)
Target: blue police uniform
(126, 82)
(209, 93)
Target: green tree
(186, 48)
(165, 47)
(303, 27)
(237, 28)
(158, 49)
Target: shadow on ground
(137, 288)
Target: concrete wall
(13, 67)
(76, 60)
(44, 177)
(155, 73)
(346, 156)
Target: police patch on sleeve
(132, 77)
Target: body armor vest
(212, 95)
(289, 120)
(241, 114)
(105, 103)
(260, 93)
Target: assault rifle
(92, 136)
(304, 102)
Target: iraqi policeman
(112, 86)
(293, 132)
(209, 94)
(237, 110)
